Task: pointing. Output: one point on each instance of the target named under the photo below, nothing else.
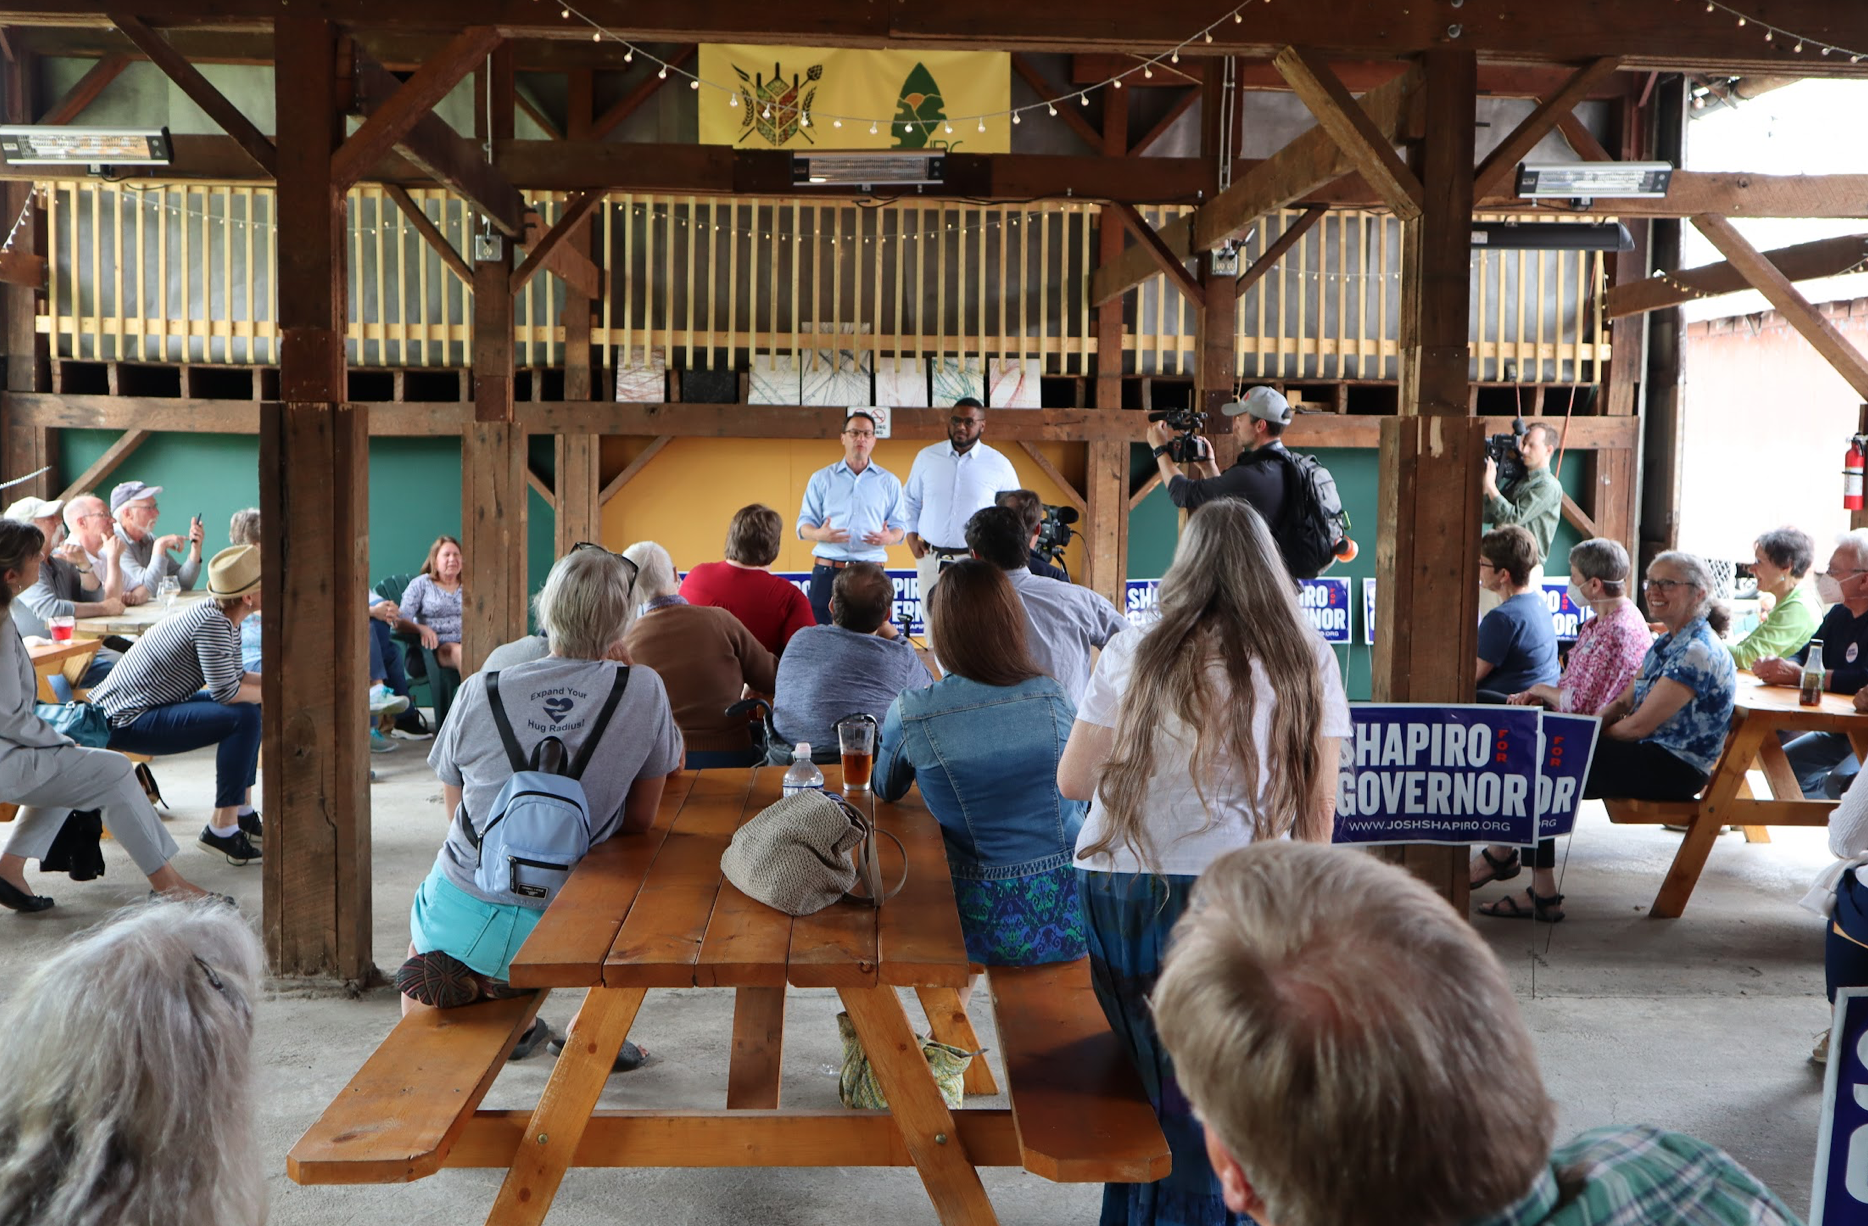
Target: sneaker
(412, 725)
(384, 701)
(236, 846)
(250, 824)
(381, 744)
(1820, 1053)
(531, 1040)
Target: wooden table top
(653, 910)
(1763, 697)
(140, 618)
(46, 656)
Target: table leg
(758, 1048)
(564, 1108)
(949, 1023)
(1688, 862)
(914, 1100)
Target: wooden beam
(576, 213)
(1181, 106)
(493, 534)
(579, 509)
(616, 483)
(22, 268)
(1826, 257)
(627, 105)
(1067, 106)
(1063, 483)
(1496, 171)
(1165, 258)
(537, 115)
(200, 90)
(1280, 246)
(430, 232)
(1579, 518)
(86, 90)
(104, 465)
(574, 502)
(1257, 73)
(1350, 127)
(391, 118)
(1144, 489)
(1848, 361)
(1581, 139)
(540, 487)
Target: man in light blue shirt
(1065, 621)
(852, 509)
(950, 481)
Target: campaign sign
(1140, 601)
(1567, 745)
(907, 595)
(1423, 773)
(1326, 603)
(1566, 616)
(1840, 1197)
(1368, 611)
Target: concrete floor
(1701, 1024)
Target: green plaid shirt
(1644, 1177)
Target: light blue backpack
(539, 826)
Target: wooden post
(27, 355)
(314, 487)
(580, 512)
(577, 364)
(1432, 455)
(1106, 465)
(493, 468)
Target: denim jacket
(986, 760)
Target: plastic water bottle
(803, 775)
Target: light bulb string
(1772, 33)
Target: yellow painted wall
(686, 495)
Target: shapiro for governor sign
(1420, 773)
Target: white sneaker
(384, 701)
(1820, 1054)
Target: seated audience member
(1030, 510)
(983, 744)
(243, 529)
(1392, 1022)
(1608, 653)
(182, 687)
(146, 560)
(1517, 642)
(1782, 557)
(61, 592)
(770, 607)
(1664, 733)
(95, 543)
(1841, 898)
(128, 1091)
(1824, 763)
(431, 604)
(1063, 622)
(858, 664)
(531, 647)
(48, 776)
(463, 938)
(705, 657)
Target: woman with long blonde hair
(1217, 726)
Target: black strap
(517, 756)
(514, 754)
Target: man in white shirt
(950, 481)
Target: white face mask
(1577, 597)
(1828, 590)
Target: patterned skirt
(1130, 917)
(1024, 915)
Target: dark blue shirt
(1845, 649)
(1518, 640)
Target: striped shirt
(191, 651)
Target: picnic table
(1761, 712)
(138, 618)
(52, 658)
(651, 911)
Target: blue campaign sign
(1840, 1197)
(1423, 773)
(907, 594)
(1566, 616)
(1566, 747)
(1326, 603)
(1139, 601)
(1368, 611)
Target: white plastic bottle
(803, 776)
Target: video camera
(1183, 448)
(1505, 451)
(1054, 531)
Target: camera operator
(1257, 477)
(1535, 501)
(1030, 510)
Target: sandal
(1500, 870)
(538, 1032)
(1545, 910)
(628, 1059)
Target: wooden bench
(1078, 1105)
(401, 1114)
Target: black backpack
(1312, 521)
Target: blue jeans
(197, 723)
(822, 579)
(386, 659)
(93, 676)
(1824, 764)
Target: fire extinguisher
(1852, 476)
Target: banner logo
(773, 108)
(918, 110)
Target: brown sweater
(704, 656)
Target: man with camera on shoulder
(1533, 501)
(1258, 477)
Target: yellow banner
(805, 98)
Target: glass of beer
(856, 736)
(61, 628)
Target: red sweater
(770, 607)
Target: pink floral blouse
(1607, 655)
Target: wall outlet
(488, 247)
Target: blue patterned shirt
(1695, 658)
(1643, 1177)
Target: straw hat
(234, 571)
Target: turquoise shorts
(484, 935)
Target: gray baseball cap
(1263, 403)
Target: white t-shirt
(1184, 836)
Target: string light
(1771, 33)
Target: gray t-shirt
(828, 672)
(60, 585)
(551, 697)
(519, 651)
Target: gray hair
(1856, 542)
(244, 530)
(1790, 548)
(80, 506)
(658, 570)
(587, 603)
(1698, 575)
(128, 1096)
(1601, 558)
